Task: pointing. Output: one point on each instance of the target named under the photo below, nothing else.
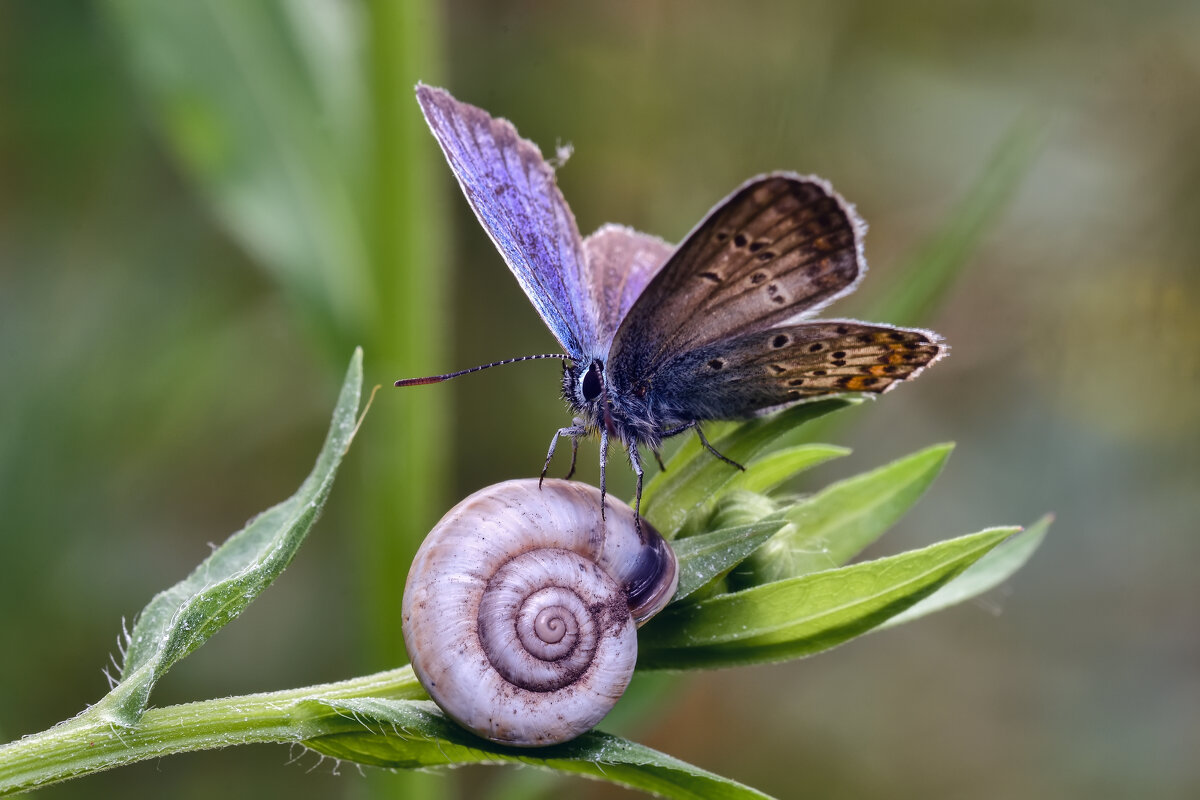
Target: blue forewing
(512, 190)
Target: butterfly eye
(591, 382)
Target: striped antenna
(440, 378)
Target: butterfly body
(659, 338)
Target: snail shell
(521, 608)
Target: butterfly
(658, 339)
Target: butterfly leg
(713, 450)
(658, 458)
(574, 455)
(574, 431)
(576, 423)
(635, 459)
(603, 464)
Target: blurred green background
(204, 206)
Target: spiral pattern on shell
(521, 608)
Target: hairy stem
(87, 744)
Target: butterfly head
(602, 403)
(583, 387)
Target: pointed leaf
(180, 619)
(406, 734)
(767, 472)
(984, 575)
(800, 616)
(834, 525)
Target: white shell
(521, 608)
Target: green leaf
(180, 619)
(407, 734)
(800, 616)
(694, 478)
(764, 473)
(769, 471)
(708, 556)
(984, 575)
(834, 525)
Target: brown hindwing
(782, 365)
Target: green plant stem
(87, 744)
(406, 466)
(405, 480)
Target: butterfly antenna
(448, 376)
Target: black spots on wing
(716, 364)
(711, 276)
(816, 347)
(740, 240)
(778, 369)
(819, 372)
(758, 278)
(758, 245)
(842, 329)
(865, 338)
(721, 236)
(896, 336)
(776, 296)
(796, 382)
(840, 354)
(780, 340)
(858, 383)
(839, 362)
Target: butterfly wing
(715, 335)
(759, 371)
(512, 190)
(621, 262)
(779, 247)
